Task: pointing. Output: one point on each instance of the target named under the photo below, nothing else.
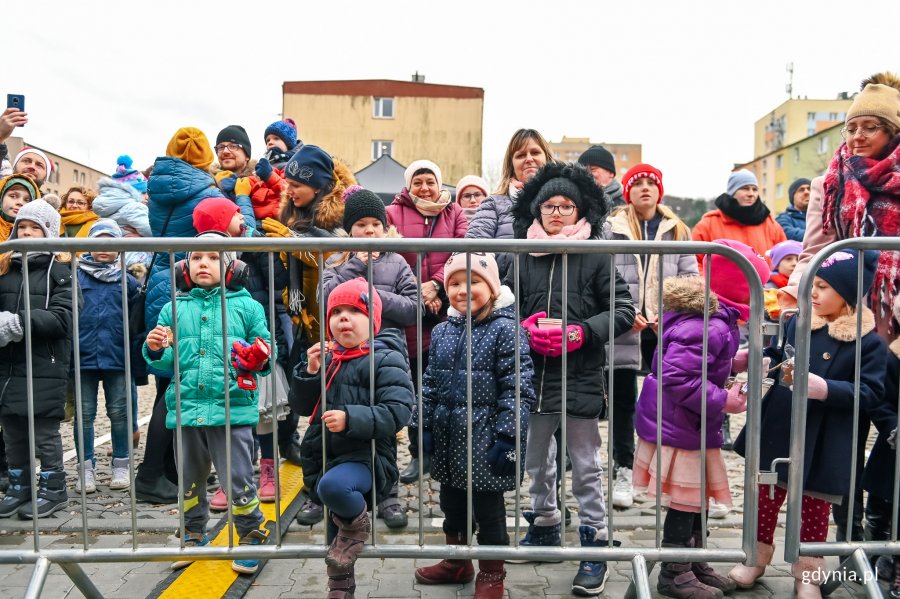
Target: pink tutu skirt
(680, 476)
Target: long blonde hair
(682, 231)
(6, 260)
(518, 141)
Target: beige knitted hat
(880, 97)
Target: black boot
(410, 474)
(18, 494)
(894, 592)
(4, 480)
(52, 497)
(150, 488)
(291, 453)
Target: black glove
(263, 169)
(502, 456)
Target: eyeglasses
(475, 195)
(865, 132)
(230, 147)
(77, 203)
(549, 209)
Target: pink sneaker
(219, 501)
(267, 481)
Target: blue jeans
(114, 384)
(343, 489)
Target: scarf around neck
(862, 199)
(105, 272)
(577, 232)
(429, 208)
(746, 215)
(339, 355)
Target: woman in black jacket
(563, 202)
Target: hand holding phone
(14, 115)
(16, 101)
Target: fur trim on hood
(685, 294)
(330, 209)
(885, 78)
(594, 199)
(843, 328)
(506, 298)
(895, 347)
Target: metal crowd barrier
(855, 552)
(642, 559)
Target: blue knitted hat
(312, 166)
(286, 130)
(839, 271)
(126, 174)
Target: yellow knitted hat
(191, 145)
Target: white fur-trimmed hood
(506, 298)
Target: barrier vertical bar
(130, 415)
(469, 440)
(704, 373)
(273, 395)
(857, 349)
(564, 411)
(176, 380)
(29, 392)
(610, 400)
(226, 356)
(370, 278)
(419, 307)
(518, 424)
(79, 405)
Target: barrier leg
(82, 582)
(639, 587)
(38, 577)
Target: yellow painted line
(212, 578)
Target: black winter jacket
(50, 289)
(879, 473)
(258, 286)
(349, 391)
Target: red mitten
(735, 402)
(250, 357)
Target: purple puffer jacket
(682, 351)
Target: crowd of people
(517, 365)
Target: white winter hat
(41, 213)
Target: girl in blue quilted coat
(445, 415)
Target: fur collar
(506, 298)
(844, 327)
(685, 294)
(330, 209)
(895, 347)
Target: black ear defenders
(236, 275)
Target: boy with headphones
(201, 362)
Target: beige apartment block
(359, 121)
(625, 155)
(66, 173)
(797, 119)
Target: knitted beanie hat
(214, 214)
(42, 214)
(599, 156)
(471, 181)
(839, 271)
(190, 144)
(797, 184)
(360, 204)
(48, 164)
(23, 180)
(312, 166)
(126, 174)
(638, 171)
(560, 186)
(728, 281)
(235, 134)
(483, 265)
(286, 130)
(782, 249)
(419, 165)
(880, 98)
(105, 226)
(228, 256)
(355, 292)
(739, 179)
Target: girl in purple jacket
(682, 397)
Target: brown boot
(489, 582)
(349, 540)
(705, 574)
(808, 574)
(341, 582)
(677, 580)
(448, 571)
(745, 576)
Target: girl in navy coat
(494, 415)
(829, 430)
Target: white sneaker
(623, 492)
(90, 484)
(120, 479)
(717, 510)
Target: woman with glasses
(563, 202)
(470, 193)
(643, 218)
(859, 194)
(526, 153)
(76, 213)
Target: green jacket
(200, 359)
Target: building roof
(385, 177)
(382, 87)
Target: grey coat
(643, 284)
(494, 220)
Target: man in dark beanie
(600, 162)
(793, 220)
(235, 178)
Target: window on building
(383, 108)
(382, 147)
(625, 156)
(82, 178)
(810, 116)
(56, 171)
(823, 145)
(779, 161)
(779, 190)
(75, 176)
(796, 155)
(832, 116)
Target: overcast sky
(685, 79)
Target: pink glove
(740, 361)
(550, 342)
(735, 402)
(818, 387)
(531, 330)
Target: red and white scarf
(862, 199)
